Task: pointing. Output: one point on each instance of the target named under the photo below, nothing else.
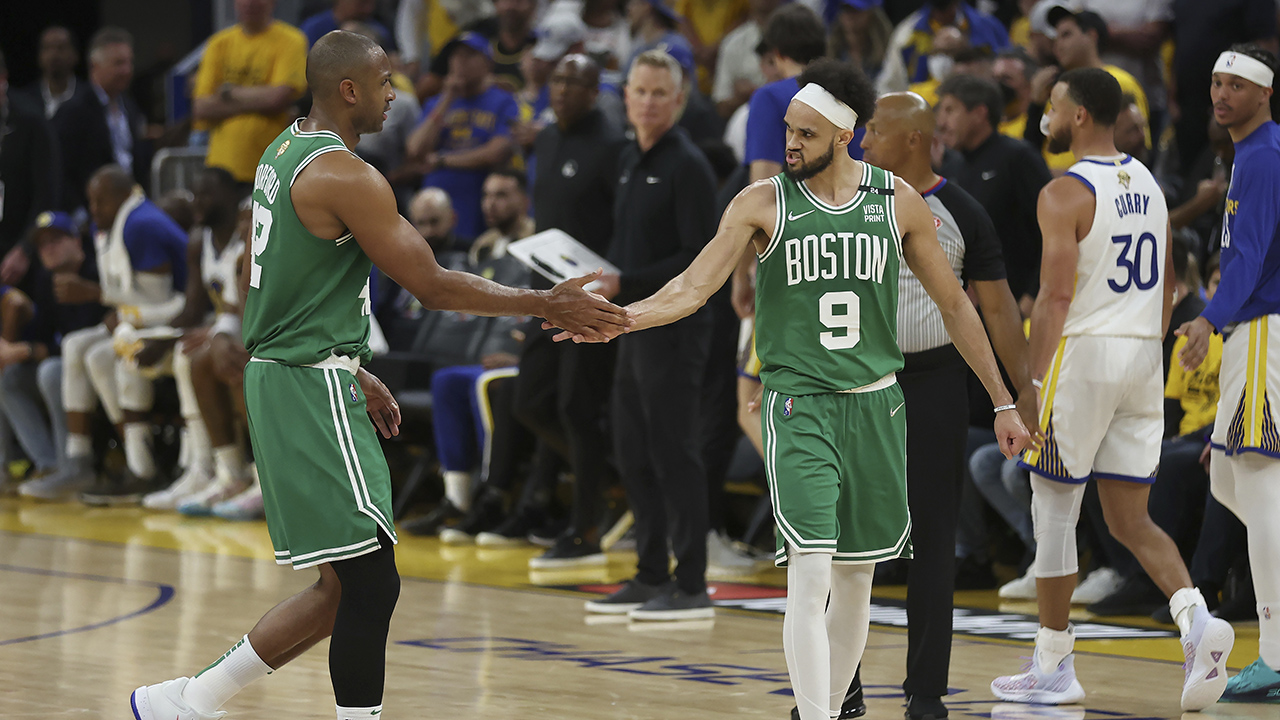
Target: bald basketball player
(320, 215)
(933, 381)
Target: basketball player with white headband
(830, 233)
(1244, 469)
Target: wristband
(1002, 408)
(1037, 384)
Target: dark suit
(85, 140)
(28, 169)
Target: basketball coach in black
(664, 213)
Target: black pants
(656, 431)
(510, 442)
(719, 410)
(933, 385)
(561, 396)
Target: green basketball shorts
(325, 484)
(837, 470)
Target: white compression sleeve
(1257, 487)
(804, 632)
(1055, 509)
(848, 622)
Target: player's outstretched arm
(751, 212)
(924, 256)
(359, 198)
(1065, 210)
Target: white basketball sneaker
(1023, 588)
(1031, 686)
(164, 702)
(1206, 647)
(194, 480)
(222, 488)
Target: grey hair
(658, 58)
(105, 37)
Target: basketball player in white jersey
(213, 473)
(1106, 288)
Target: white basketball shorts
(1249, 378)
(1101, 410)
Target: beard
(1059, 143)
(808, 170)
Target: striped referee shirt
(971, 245)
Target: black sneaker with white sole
(570, 551)
(485, 514)
(675, 604)
(854, 706)
(630, 596)
(109, 492)
(513, 531)
(925, 707)
(431, 523)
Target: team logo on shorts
(786, 407)
(355, 397)
(283, 146)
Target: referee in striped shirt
(934, 383)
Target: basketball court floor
(95, 602)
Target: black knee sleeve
(358, 648)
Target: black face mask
(1008, 93)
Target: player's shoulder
(149, 221)
(777, 92)
(757, 200)
(339, 167)
(1260, 155)
(1068, 192)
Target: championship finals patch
(283, 146)
(355, 397)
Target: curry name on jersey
(1120, 271)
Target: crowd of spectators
(627, 124)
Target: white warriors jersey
(220, 272)
(1120, 271)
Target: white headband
(817, 97)
(1254, 71)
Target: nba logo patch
(283, 146)
(1266, 612)
(355, 397)
(786, 407)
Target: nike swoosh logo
(988, 174)
(651, 180)
(792, 217)
(895, 410)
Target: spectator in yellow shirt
(1197, 391)
(706, 22)
(249, 77)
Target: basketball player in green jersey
(320, 215)
(829, 234)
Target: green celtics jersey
(827, 289)
(308, 296)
